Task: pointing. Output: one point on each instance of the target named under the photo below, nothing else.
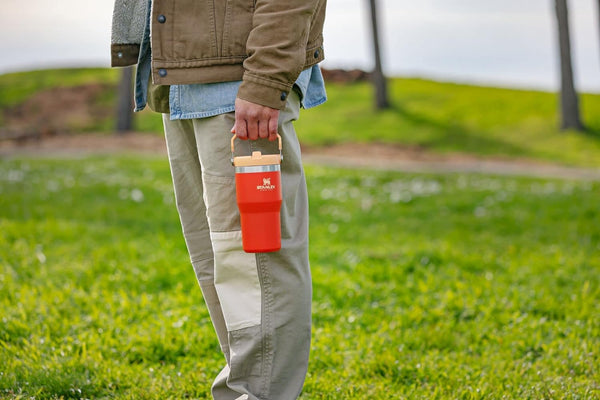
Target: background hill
(426, 116)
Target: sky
(497, 42)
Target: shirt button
(162, 72)
(317, 53)
(283, 96)
(162, 19)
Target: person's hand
(253, 121)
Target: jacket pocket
(191, 43)
(237, 27)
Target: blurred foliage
(432, 116)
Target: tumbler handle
(233, 147)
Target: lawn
(451, 286)
(448, 118)
(433, 116)
(16, 87)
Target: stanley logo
(266, 186)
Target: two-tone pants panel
(260, 304)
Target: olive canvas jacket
(264, 43)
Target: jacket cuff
(123, 55)
(264, 92)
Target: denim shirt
(210, 99)
(142, 74)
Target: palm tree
(569, 102)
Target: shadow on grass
(592, 131)
(457, 137)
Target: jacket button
(162, 72)
(162, 19)
(317, 53)
(283, 96)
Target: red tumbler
(258, 192)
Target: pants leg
(265, 298)
(187, 183)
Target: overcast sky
(502, 42)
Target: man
(242, 66)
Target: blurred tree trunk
(381, 96)
(569, 103)
(125, 101)
(598, 9)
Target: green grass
(449, 286)
(447, 117)
(18, 86)
(435, 116)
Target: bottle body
(258, 191)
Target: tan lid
(257, 158)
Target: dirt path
(375, 156)
(409, 160)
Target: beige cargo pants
(260, 304)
